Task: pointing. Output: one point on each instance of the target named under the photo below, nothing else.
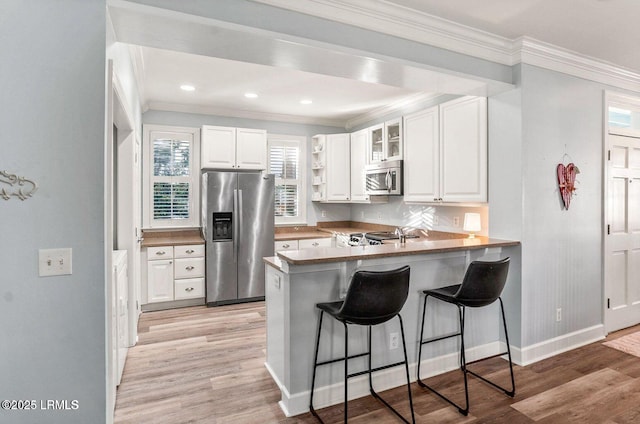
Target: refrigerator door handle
(239, 218)
(235, 226)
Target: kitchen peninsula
(298, 279)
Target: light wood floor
(206, 365)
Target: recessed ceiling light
(250, 95)
(187, 87)
(306, 101)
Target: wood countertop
(416, 247)
(171, 238)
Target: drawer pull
(189, 268)
(285, 245)
(188, 289)
(161, 252)
(316, 244)
(190, 251)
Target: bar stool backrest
(483, 283)
(374, 297)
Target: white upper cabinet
(422, 150)
(233, 148)
(251, 149)
(359, 142)
(463, 132)
(446, 152)
(385, 141)
(337, 167)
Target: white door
(160, 280)
(421, 151)
(337, 166)
(359, 142)
(218, 147)
(622, 233)
(251, 149)
(463, 132)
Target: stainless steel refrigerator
(237, 223)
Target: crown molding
(410, 102)
(384, 17)
(237, 113)
(538, 53)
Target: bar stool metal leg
(315, 366)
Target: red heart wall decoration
(566, 182)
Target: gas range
(374, 238)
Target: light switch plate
(54, 262)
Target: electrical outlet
(558, 314)
(324, 214)
(456, 221)
(394, 340)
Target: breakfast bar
(298, 279)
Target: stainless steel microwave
(384, 178)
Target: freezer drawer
(189, 288)
(189, 268)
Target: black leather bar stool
(481, 286)
(372, 298)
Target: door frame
(611, 98)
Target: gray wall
(52, 130)
(562, 249)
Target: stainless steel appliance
(384, 178)
(237, 223)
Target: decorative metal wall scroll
(19, 187)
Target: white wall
(52, 130)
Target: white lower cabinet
(304, 243)
(286, 245)
(175, 273)
(313, 243)
(160, 280)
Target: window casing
(287, 159)
(171, 177)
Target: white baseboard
(548, 348)
(298, 403)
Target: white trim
(298, 403)
(557, 345)
(412, 101)
(194, 179)
(237, 113)
(418, 26)
(393, 19)
(301, 143)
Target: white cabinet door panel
(188, 251)
(189, 268)
(160, 280)
(314, 243)
(359, 141)
(422, 153)
(286, 245)
(338, 167)
(218, 147)
(251, 149)
(189, 288)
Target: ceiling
(604, 29)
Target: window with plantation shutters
(286, 155)
(171, 177)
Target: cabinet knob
(161, 252)
(189, 268)
(285, 245)
(190, 251)
(188, 289)
(316, 244)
